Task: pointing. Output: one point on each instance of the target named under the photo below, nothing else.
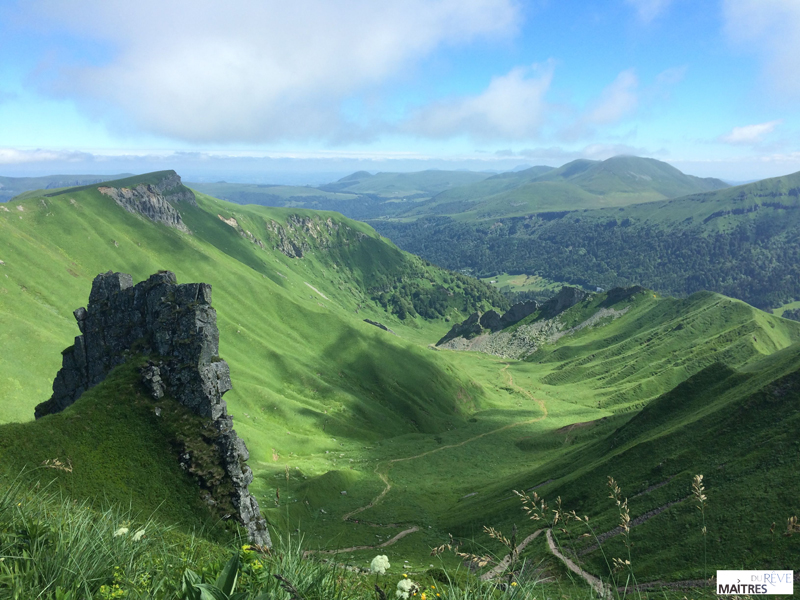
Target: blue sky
(300, 92)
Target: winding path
(384, 476)
(394, 540)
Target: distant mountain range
(741, 241)
(13, 186)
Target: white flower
(138, 535)
(404, 588)
(121, 531)
(379, 564)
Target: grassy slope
(735, 428)
(657, 344)
(118, 451)
(306, 368)
(322, 393)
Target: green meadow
(368, 442)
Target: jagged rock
(519, 311)
(478, 324)
(566, 298)
(468, 328)
(491, 320)
(177, 327)
(154, 201)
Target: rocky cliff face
(176, 328)
(154, 201)
(301, 234)
(489, 322)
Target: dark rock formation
(378, 325)
(491, 322)
(566, 298)
(154, 201)
(176, 326)
(519, 311)
(468, 328)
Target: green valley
(366, 441)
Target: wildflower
(404, 575)
(423, 596)
(513, 584)
(406, 588)
(379, 564)
(121, 531)
(138, 535)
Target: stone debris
(177, 327)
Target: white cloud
(649, 9)
(771, 29)
(254, 70)
(616, 101)
(511, 108)
(750, 134)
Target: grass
(349, 407)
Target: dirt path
(388, 464)
(503, 564)
(394, 540)
(593, 581)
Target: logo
(755, 582)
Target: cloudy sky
(303, 91)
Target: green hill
(631, 175)
(111, 448)
(580, 184)
(734, 427)
(740, 241)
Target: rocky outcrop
(489, 322)
(154, 201)
(300, 234)
(566, 298)
(546, 328)
(176, 328)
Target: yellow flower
(404, 575)
(513, 583)
(423, 597)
